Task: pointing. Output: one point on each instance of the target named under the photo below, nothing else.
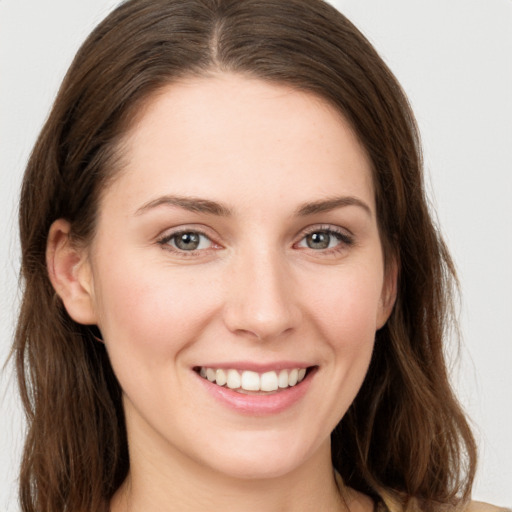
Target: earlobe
(70, 273)
(388, 296)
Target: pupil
(318, 240)
(187, 241)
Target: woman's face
(238, 242)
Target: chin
(258, 469)
(263, 456)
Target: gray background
(454, 59)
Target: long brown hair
(405, 438)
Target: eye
(324, 239)
(320, 240)
(187, 241)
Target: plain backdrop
(454, 59)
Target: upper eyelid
(192, 228)
(164, 239)
(207, 232)
(345, 237)
(170, 236)
(164, 243)
(324, 227)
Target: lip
(264, 404)
(258, 367)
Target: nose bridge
(261, 301)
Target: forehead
(228, 137)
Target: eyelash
(164, 242)
(345, 240)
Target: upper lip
(255, 366)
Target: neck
(186, 486)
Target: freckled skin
(253, 291)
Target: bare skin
(241, 233)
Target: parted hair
(405, 439)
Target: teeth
(221, 377)
(282, 379)
(250, 381)
(234, 381)
(253, 381)
(269, 381)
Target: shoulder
(412, 505)
(479, 506)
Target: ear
(70, 273)
(388, 295)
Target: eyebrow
(192, 204)
(330, 204)
(199, 205)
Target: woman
(224, 230)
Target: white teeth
(283, 379)
(269, 381)
(292, 378)
(253, 381)
(250, 381)
(221, 377)
(234, 381)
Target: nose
(261, 300)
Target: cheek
(152, 311)
(343, 308)
(346, 307)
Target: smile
(250, 381)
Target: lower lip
(259, 405)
